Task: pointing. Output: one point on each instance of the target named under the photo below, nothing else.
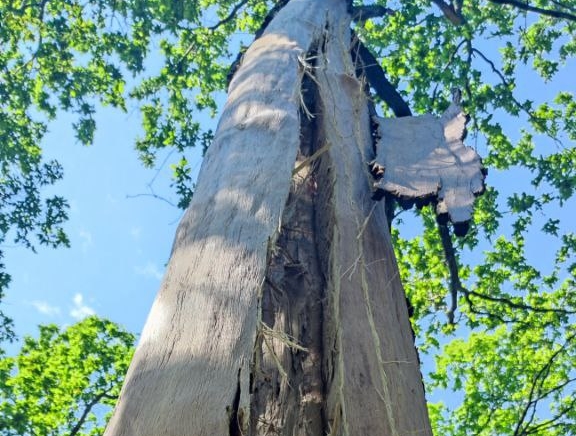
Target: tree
(64, 382)
(321, 232)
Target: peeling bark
(281, 312)
(423, 159)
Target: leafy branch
(536, 395)
(365, 12)
(229, 17)
(452, 11)
(456, 286)
(527, 7)
(535, 119)
(104, 394)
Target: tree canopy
(495, 309)
(66, 381)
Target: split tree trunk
(281, 312)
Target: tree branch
(455, 283)
(452, 12)
(370, 67)
(527, 7)
(565, 6)
(514, 305)
(74, 431)
(445, 67)
(365, 12)
(535, 119)
(230, 16)
(536, 394)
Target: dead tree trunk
(281, 312)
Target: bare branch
(530, 114)
(527, 7)
(158, 197)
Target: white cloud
(150, 270)
(45, 308)
(135, 232)
(80, 309)
(87, 239)
(111, 199)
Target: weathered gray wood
(374, 383)
(424, 157)
(193, 360)
(281, 311)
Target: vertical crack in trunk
(288, 388)
(234, 415)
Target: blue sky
(119, 243)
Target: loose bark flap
(424, 159)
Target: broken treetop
(424, 159)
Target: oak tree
(282, 310)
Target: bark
(281, 312)
(436, 166)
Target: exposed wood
(281, 312)
(374, 383)
(288, 386)
(196, 349)
(424, 159)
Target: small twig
(507, 85)
(445, 67)
(153, 195)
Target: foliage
(509, 356)
(66, 381)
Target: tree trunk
(281, 312)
